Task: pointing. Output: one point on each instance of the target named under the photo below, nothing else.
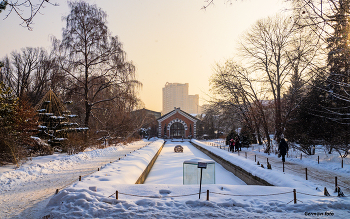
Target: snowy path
(322, 173)
(313, 173)
(27, 196)
(168, 168)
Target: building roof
(177, 110)
(151, 112)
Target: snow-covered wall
(273, 177)
(145, 173)
(238, 171)
(104, 182)
(125, 171)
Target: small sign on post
(202, 166)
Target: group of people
(235, 145)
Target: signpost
(202, 166)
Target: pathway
(314, 174)
(28, 199)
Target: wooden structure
(55, 119)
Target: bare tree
(32, 72)
(278, 59)
(26, 10)
(265, 47)
(24, 65)
(208, 3)
(236, 88)
(93, 60)
(279, 52)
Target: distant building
(177, 124)
(193, 104)
(176, 95)
(147, 121)
(148, 112)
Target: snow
(81, 129)
(169, 166)
(46, 114)
(57, 117)
(42, 166)
(25, 191)
(196, 161)
(72, 116)
(164, 196)
(273, 176)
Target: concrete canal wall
(244, 175)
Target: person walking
(283, 148)
(237, 144)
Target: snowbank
(274, 177)
(95, 195)
(124, 171)
(51, 164)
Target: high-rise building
(193, 104)
(176, 95)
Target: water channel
(168, 169)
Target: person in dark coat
(237, 144)
(283, 148)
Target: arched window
(177, 130)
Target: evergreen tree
(8, 150)
(17, 124)
(335, 107)
(337, 83)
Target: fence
(294, 192)
(284, 166)
(98, 169)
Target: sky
(173, 41)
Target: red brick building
(177, 124)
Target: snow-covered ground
(322, 168)
(165, 197)
(169, 166)
(25, 191)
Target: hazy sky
(168, 40)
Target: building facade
(177, 124)
(176, 95)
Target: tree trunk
(87, 113)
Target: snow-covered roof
(201, 160)
(181, 112)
